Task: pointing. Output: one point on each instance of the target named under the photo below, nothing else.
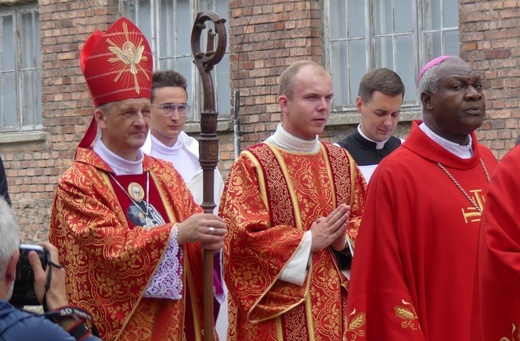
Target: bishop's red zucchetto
(117, 64)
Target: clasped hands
(331, 230)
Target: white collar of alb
(119, 165)
(282, 139)
(164, 149)
(464, 152)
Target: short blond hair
(286, 83)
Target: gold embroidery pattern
(128, 55)
(470, 214)
(355, 322)
(407, 313)
(279, 198)
(86, 213)
(351, 188)
(262, 208)
(515, 334)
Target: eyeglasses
(169, 109)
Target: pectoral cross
(470, 214)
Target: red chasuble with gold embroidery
(496, 312)
(111, 258)
(271, 198)
(412, 273)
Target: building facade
(45, 105)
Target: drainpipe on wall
(236, 123)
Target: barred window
(20, 69)
(401, 35)
(167, 25)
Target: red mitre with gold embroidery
(117, 65)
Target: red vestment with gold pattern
(271, 198)
(111, 261)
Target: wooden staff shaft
(208, 142)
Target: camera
(23, 292)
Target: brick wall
(30, 175)
(264, 40)
(490, 41)
(66, 101)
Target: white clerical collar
(464, 152)
(282, 139)
(163, 149)
(119, 165)
(379, 145)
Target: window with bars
(167, 26)
(401, 35)
(20, 69)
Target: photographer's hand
(56, 296)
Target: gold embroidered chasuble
(110, 263)
(272, 197)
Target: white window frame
(28, 109)
(421, 51)
(195, 94)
